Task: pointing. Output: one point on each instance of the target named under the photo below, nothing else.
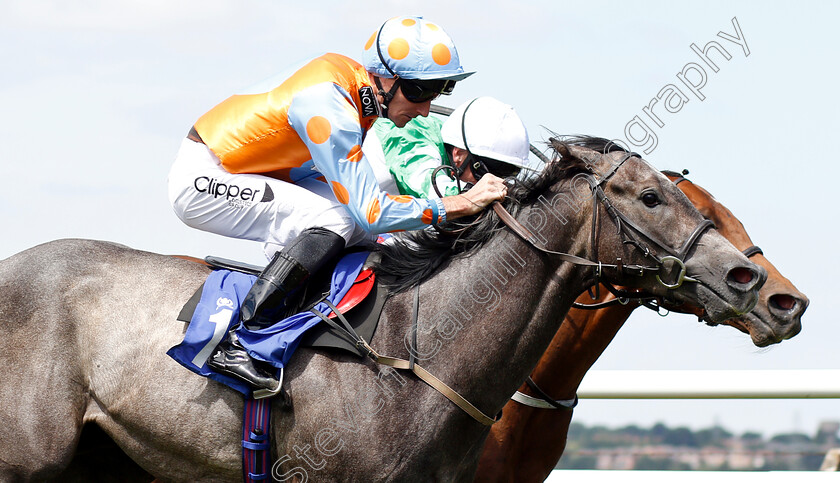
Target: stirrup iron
(264, 393)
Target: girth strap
(544, 401)
(347, 331)
(256, 444)
(415, 316)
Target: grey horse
(86, 326)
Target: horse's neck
(511, 300)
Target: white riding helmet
(412, 48)
(489, 128)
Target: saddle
(361, 305)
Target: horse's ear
(560, 147)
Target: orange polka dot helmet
(412, 48)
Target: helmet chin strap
(386, 96)
(477, 167)
(467, 162)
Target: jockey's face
(400, 109)
(459, 156)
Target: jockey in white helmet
(481, 136)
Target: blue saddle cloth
(218, 311)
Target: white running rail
(711, 384)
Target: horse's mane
(410, 258)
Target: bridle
(630, 233)
(626, 230)
(544, 401)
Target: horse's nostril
(741, 275)
(783, 301)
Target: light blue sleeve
(327, 121)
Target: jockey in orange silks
(282, 164)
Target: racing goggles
(419, 91)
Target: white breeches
(252, 206)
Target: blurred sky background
(96, 96)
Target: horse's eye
(650, 199)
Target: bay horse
(86, 326)
(525, 445)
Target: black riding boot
(286, 271)
(231, 359)
(261, 306)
